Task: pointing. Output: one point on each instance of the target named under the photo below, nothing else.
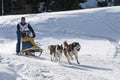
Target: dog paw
(78, 63)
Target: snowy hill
(97, 31)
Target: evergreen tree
(63, 5)
(117, 2)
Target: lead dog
(56, 52)
(70, 50)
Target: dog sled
(28, 47)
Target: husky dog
(70, 50)
(56, 52)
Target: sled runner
(29, 47)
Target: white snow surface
(97, 31)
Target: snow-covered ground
(97, 31)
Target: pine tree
(63, 5)
(117, 2)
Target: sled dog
(70, 50)
(55, 52)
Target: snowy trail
(92, 67)
(34, 68)
(30, 68)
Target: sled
(29, 47)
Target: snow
(6, 73)
(97, 31)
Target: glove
(33, 36)
(23, 35)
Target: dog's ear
(78, 43)
(59, 45)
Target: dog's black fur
(70, 50)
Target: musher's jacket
(21, 28)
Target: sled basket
(29, 46)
